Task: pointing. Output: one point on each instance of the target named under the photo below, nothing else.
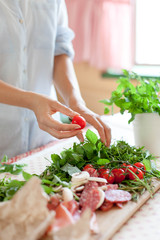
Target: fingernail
(79, 127)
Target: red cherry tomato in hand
(141, 166)
(104, 173)
(119, 175)
(79, 120)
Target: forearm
(14, 96)
(65, 80)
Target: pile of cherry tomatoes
(117, 175)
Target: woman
(36, 51)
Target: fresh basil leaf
(56, 160)
(102, 161)
(26, 176)
(91, 136)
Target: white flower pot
(146, 128)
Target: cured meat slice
(63, 218)
(117, 196)
(120, 205)
(53, 203)
(73, 207)
(106, 206)
(112, 186)
(90, 196)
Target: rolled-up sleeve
(64, 34)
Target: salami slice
(90, 196)
(117, 196)
(120, 205)
(106, 206)
(112, 186)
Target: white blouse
(31, 33)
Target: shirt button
(24, 71)
(24, 49)
(21, 21)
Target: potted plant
(142, 101)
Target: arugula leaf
(14, 169)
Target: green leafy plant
(142, 98)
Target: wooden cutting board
(111, 221)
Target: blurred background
(111, 35)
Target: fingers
(52, 123)
(107, 132)
(102, 128)
(80, 136)
(61, 134)
(65, 110)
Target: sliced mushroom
(97, 179)
(79, 188)
(57, 189)
(67, 194)
(82, 176)
(102, 197)
(74, 185)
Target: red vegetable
(119, 175)
(104, 173)
(79, 120)
(138, 172)
(87, 166)
(92, 172)
(141, 166)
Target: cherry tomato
(79, 120)
(92, 172)
(138, 172)
(119, 175)
(105, 173)
(141, 166)
(87, 166)
(129, 167)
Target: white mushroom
(102, 197)
(79, 188)
(75, 185)
(78, 177)
(67, 194)
(97, 179)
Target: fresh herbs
(142, 98)
(14, 169)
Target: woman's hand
(44, 108)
